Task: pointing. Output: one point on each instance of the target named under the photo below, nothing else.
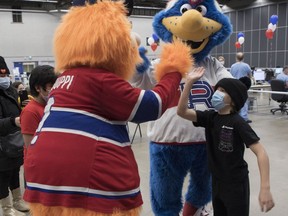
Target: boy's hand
(195, 75)
(265, 200)
(17, 121)
(25, 102)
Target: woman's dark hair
(16, 84)
(41, 76)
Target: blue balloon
(155, 37)
(274, 19)
(240, 34)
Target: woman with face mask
(41, 81)
(227, 135)
(9, 166)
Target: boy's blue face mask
(218, 100)
(4, 83)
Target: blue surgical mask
(218, 100)
(4, 83)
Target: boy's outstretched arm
(191, 78)
(265, 197)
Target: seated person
(284, 76)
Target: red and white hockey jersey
(81, 155)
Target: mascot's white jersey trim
(136, 107)
(82, 133)
(141, 95)
(88, 114)
(81, 189)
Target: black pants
(231, 199)
(9, 179)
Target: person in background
(284, 76)
(238, 70)
(9, 166)
(20, 88)
(41, 81)
(227, 134)
(221, 59)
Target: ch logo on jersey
(201, 94)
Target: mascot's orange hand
(175, 57)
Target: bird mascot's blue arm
(144, 66)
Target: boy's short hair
(41, 76)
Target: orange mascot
(80, 160)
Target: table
(263, 86)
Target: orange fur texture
(97, 36)
(174, 57)
(41, 210)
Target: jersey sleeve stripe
(149, 108)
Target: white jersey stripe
(160, 103)
(82, 190)
(88, 114)
(82, 133)
(141, 95)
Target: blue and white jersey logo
(201, 94)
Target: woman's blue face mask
(218, 100)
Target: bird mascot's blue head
(198, 23)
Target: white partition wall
(29, 41)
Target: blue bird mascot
(177, 148)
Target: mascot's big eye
(202, 9)
(185, 8)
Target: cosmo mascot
(177, 147)
(80, 161)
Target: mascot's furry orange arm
(174, 57)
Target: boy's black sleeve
(203, 118)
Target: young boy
(41, 81)
(226, 134)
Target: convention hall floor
(273, 131)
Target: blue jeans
(244, 111)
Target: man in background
(284, 76)
(238, 70)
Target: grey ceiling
(48, 5)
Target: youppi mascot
(177, 147)
(80, 160)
